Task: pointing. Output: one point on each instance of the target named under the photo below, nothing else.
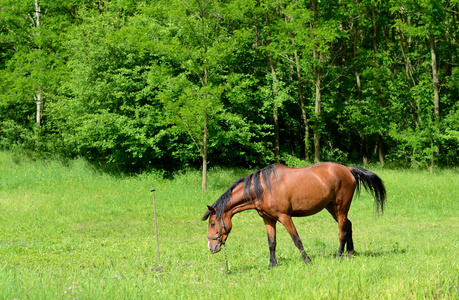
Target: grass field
(68, 230)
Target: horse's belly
(303, 211)
(310, 203)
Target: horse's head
(218, 230)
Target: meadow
(68, 230)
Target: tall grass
(68, 230)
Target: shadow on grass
(396, 249)
(284, 261)
(382, 252)
(236, 270)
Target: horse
(279, 193)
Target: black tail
(372, 184)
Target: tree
(201, 45)
(33, 33)
(108, 111)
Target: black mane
(252, 191)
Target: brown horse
(279, 193)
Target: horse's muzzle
(215, 247)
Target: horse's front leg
(291, 229)
(271, 230)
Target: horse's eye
(212, 225)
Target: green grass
(67, 230)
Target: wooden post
(156, 223)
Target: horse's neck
(238, 202)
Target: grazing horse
(279, 193)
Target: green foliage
(134, 84)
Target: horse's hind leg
(291, 229)
(345, 230)
(345, 234)
(271, 230)
(349, 242)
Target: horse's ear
(211, 209)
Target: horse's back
(305, 191)
(327, 174)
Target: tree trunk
(39, 94)
(359, 85)
(317, 112)
(275, 111)
(39, 101)
(375, 49)
(375, 29)
(275, 93)
(359, 94)
(357, 76)
(204, 155)
(206, 116)
(435, 79)
(204, 138)
(436, 93)
(276, 130)
(317, 85)
(365, 150)
(409, 75)
(381, 149)
(303, 110)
